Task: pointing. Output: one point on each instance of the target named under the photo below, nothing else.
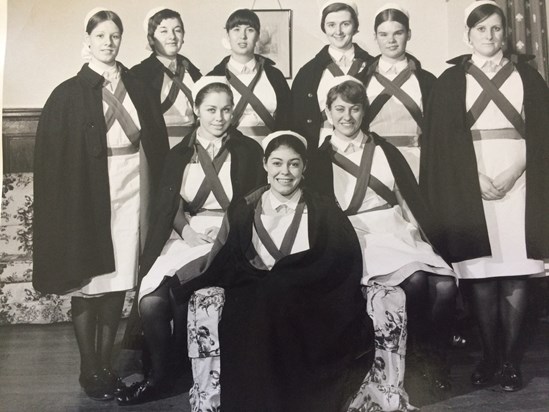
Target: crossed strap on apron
(177, 85)
(211, 182)
(353, 70)
(491, 92)
(394, 88)
(247, 96)
(290, 236)
(363, 178)
(117, 111)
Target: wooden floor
(39, 372)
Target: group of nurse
(171, 181)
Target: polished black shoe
(140, 392)
(112, 381)
(510, 378)
(95, 387)
(484, 373)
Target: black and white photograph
(274, 205)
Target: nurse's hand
(506, 179)
(487, 188)
(194, 238)
(212, 232)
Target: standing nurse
(484, 169)
(339, 21)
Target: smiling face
(284, 170)
(339, 29)
(168, 37)
(214, 113)
(243, 39)
(346, 117)
(104, 41)
(486, 37)
(392, 37)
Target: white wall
(44, 37)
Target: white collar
(239, 67)
(338, 54)
(341, 143)
(101, 68)
(385, 66)
(166, 61)
(206, 142)
(290, 203)
(480, 61)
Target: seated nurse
(202, 174)
(294, 333)
(373, 184)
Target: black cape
(296, 338)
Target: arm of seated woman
(506, 179)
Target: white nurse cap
(270, 137)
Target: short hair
(287, 140)
(481, 13)
(392, 15)
(350, 91)
(100, 17)
(335, 7)
(243, 17)
(213, 88)
(157, 18)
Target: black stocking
(179, 313)
(513, 301)
(109, 312)
(156, 315)
(442, 299)
(484, 295)
(416, 289)
(84, 320)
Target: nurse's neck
(348, 138)
(242, 58)
(393, 60)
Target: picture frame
(275, 38)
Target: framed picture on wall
(275, 39)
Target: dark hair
(350, 91)
(212, 88)
(481, 13)
(287, 140)
(155, 21)
(392, 15)
(100, 17)
(332, 8)
(243, 17)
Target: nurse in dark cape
(294, 334)
(168, 75)
(484, 170)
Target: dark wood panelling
(18, 134)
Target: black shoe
(140, 392)
(484, 373)
(511, 378)
(95, 387)
(112, 381)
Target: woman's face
(168, 37)
(104, 41)
(339, 29)
(487, 36)
(392, 37)
(215, 113)
(284, 170)
(243, 39)
(346, 117)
